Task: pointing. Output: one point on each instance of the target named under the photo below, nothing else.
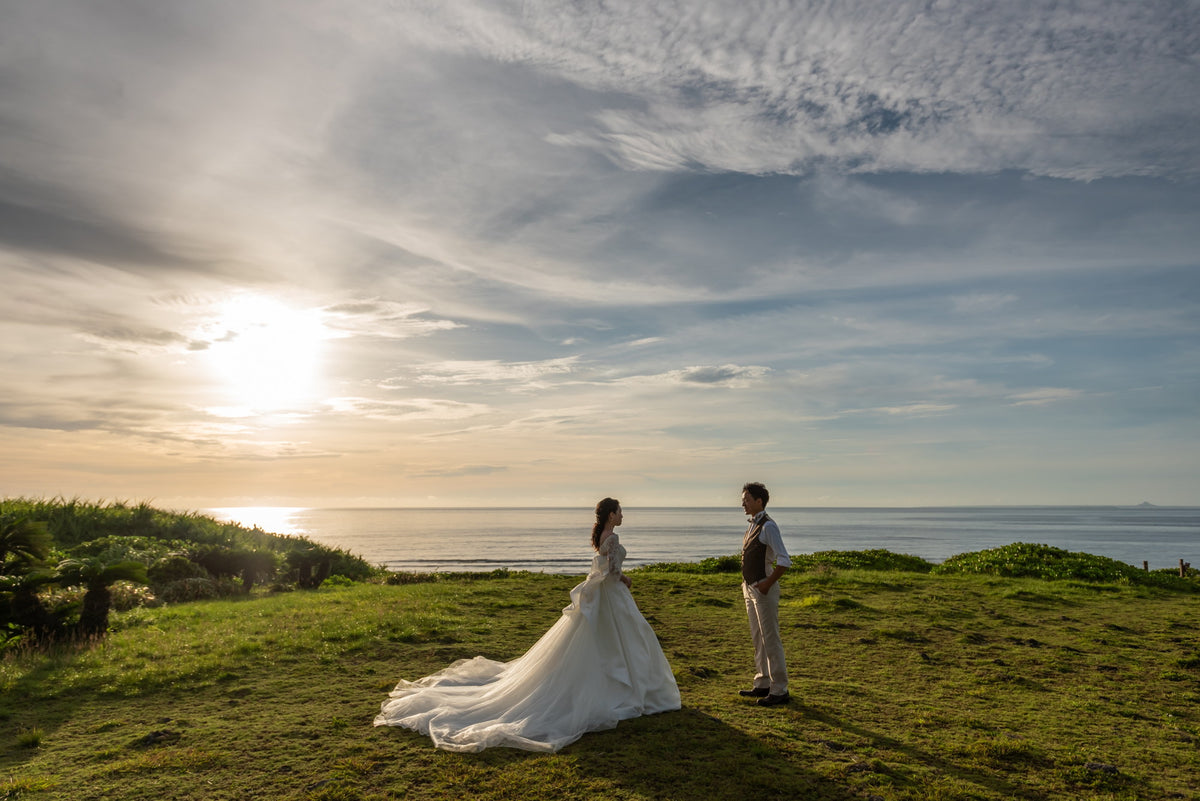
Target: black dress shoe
(756, 692)
(774, 700)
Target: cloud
(753, 87)
(1044, 395)
(382, 318)
(524, 374)
(462, 471)
(35, 226)
(591, 233)
(723, 375)
(911, 409)
(135, 340)
(411, 409)
(982, 302)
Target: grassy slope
(907, 685)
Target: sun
(267, 353)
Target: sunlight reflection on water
(275, 519)
(556, 540)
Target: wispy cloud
(523, 374)
(1045, 395)
(381, 318)
(725, 375)
(476, 244)
(411, 409)
(753, 87)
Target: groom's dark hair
(758, 492)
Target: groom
(764, 560)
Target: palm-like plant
(22, 611)
(24, 544)
(255, 566)
(97, 576)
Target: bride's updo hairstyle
(603, 510)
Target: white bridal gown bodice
(599, 664)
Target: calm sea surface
(556, 540)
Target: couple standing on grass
(599, 664)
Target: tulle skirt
(599, 664)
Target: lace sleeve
(613, 555)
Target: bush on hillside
(175, 567)
(123, 596)
(119, 549)
(406, 577)
(1027, 560)
(713, 564)
(873, 559)
(876, 559)
(49, 549)
(121, 531)
(196, 589)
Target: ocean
(557, 540)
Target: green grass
(907, 686)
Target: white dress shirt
(777, 555)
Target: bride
(599, 664)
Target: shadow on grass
(963, 773)
(685, 755)
(692, 755)
(44, 698)
(33, 703)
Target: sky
(459, 253)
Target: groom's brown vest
(754, 553)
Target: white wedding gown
(599, 664)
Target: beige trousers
(763, 613)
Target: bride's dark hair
(604, 510)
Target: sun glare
(268, 353)
(275, 519)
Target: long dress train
(600, 663)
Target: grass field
(906, 686)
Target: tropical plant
(310, 566)
(22, 609)
(255, 566)
(24, 544)
(119, 531)
(119, 548)
(97, 577)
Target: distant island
(1146, 505)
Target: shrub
(721, 564)
(876, 559)
(78, 525)
(873, 559)
(189, 589)
(172, 568)
(122, 549)
(63, 601)
(126, 595)
(1026, 560)
(403, 577)
(713, 564)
